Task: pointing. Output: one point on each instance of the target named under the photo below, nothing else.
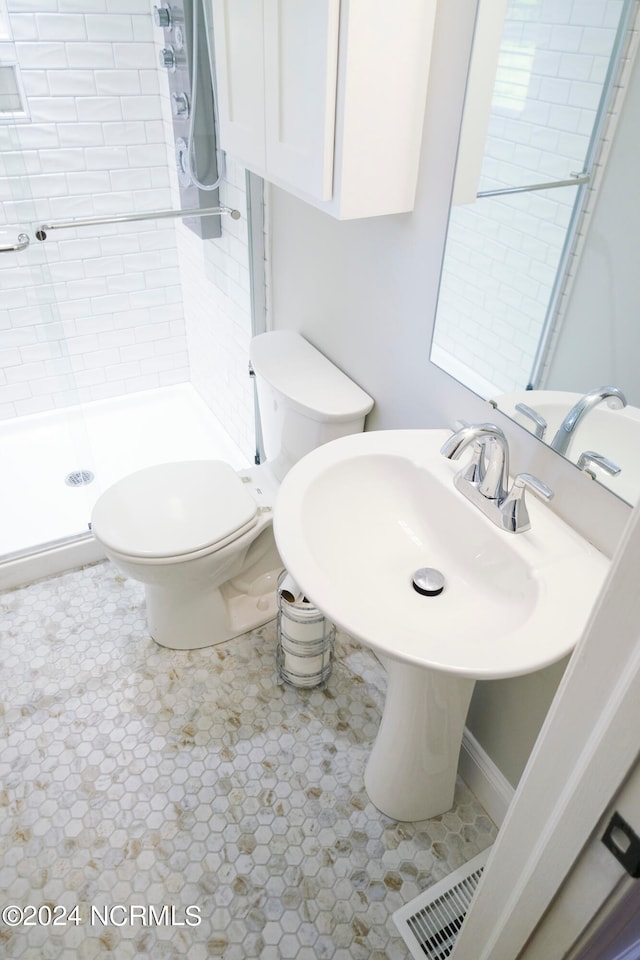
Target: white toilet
(198, 534)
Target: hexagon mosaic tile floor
(189, 805)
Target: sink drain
(79, 478)
(428, 581)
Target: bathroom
(364, 292)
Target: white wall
(365, 293)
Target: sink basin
(357, 517)
(353, 522)
(614, 433)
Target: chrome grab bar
(41, 233)
(21, 244)
(574, 181)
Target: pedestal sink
(353, 522)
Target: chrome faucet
(578, 412)
(485, 480)
(489, 466)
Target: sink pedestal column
(411, 772)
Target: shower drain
(79, 478)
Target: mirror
(539, 300)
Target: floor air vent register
(429, 924)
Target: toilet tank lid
(295, 368)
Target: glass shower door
(123, 332)
(46, 456)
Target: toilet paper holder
(304, 655)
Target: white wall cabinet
(326, 98)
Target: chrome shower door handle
(22, 243)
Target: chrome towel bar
(21, 244)
(573, 181)
(41, 233)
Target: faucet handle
(515, 516)
(474, 471)
(539, 421)
(597, 460)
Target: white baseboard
(484, 779)
(50, 560)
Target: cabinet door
(238, 38)
(300, 69)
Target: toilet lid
(173, 508)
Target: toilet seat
(174, 510)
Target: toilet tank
(304, 399)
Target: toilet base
(185, 619)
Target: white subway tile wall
(95, 313)
(502, 253)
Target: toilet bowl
(198, 534)
(186, 531)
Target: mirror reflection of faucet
(485, 480)
(539, 422)
(597, 460)
(598, 431)
(615, 399)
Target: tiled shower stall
(93, 314)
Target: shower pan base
(45, 530)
